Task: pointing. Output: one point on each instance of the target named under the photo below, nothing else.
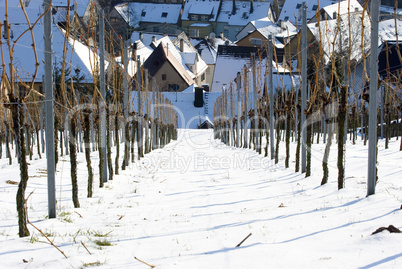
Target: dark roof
(206, 125)
(393, 64)
(240, 52)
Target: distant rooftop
(243, 14)
(134, 13)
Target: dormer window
(143, 13)
(194, 17)
(164, 14)
(298, 6)
(315, 7)
(204, 17)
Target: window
(194, 17)
(164, 14)
(256, 41)
(298, 6)
(195, 33)
(163, 76)
(204, 17)
(114, 20)
(23, 91)
(286, 18)
(143, 13)
(173, 87)
(315, 7)
(226, 30)
(155, 29)
(203, 77)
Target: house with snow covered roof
(292, 10)
(150, 17)
(256, 33)
(208, 48)
(389, 60)
(334, 37)
(389, 63)
(168, 72)
(333, 32)
(81, 57)
(331, 12)
(233, 59)
(235, 14)
(191, 58)
(199, 17)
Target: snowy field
(190, 204)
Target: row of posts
(224, 119)
(162, 120)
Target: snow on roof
(147, 38)
(79, 6)
(171, 48)
(189, 57)
(201, 7)
(261, 22)
(189, 53)
(207, 52)
(199, 24)
(387, 30)
(189, 89)
(329, 31)
(275, 29)
(290, 10)
(342, 7)
(143, 51)
(134, 13)
(227, 66)
(84, 57)
(15, 14)
(24, 60)
(243, 15)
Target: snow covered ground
(190, 204)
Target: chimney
(141, 36)
(134, 52)
(334, 15)
(234, 7)
(182, 45)
(251, 6)
(222, 35)
(153, 38)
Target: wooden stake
(86, 248)
(242, 241)
(150, 265)
(47, 238)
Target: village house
(191, 58)
(199, 17)
(149, 17)
(234, 15)
(24, 57)
(233, 59)
(168, 72)
(208, 49)
(256, 33)
(333, 41)
(292, 10)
